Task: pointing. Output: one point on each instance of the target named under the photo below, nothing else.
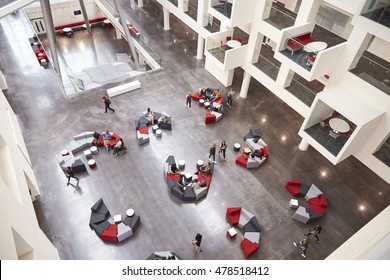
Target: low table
(130, 212)
(199, 164)
(233, 44)
(188, 176)
(94, 150)
(118, 218)
(64, 152)
(155, 127)
(231, 233)
(293, 203)
(92, 163)
(339, 125)
(88, 154)
(158, 133)
(237, 147)
(182, 164)
(201, 102)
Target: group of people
(304, 243)
(221, 151)
(119, 145)
(213, 97)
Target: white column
(200, 49)
(3, 82)
(307, 11)
(166, 19)
(140, 3)
(118, 35)
(285, 76)
(245, 85)
(303, 145)
(203, 16)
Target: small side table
(182, 164)
(158, 133)
(231, 233)
(199, 164)
(64, 153)
(118, 218)
(188, 176)
(88, 154)
(155, 127)
(201, 102)
(293, 203)
(130, 212)
(237, 147)
(94, 150)
(92, 163)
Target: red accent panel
(196, 96)
(294, 187)
(233, 215)
(210, 118)
(323, 202)
(172, 176)
(242, 161)
(207, 179)
(266, 151)
(249, 247)
(110, 234)
(144, 130)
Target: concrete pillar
(123, 22)
(203, 15)
(200, 49)
(285, 76)
(118, 34)
(51, 36)
(3, 82)
(85, 15)
(140, 3)
(307, 11)
(166, 19)
(245, 85)
(303, 145)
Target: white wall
(21, 236)
(352, 7)
(380, 48)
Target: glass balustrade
(216, 50)
(266, 66)
(174, 2)
(279, 17)
(190, 9)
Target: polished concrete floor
(49, 120)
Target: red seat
(241, 160)
(294, 187)
(196, 96)
(249, 247)
(111, 233)
(144, 130)
(233, 215)
(228, 38)
(239, 39)
(207, 178)
(210, 118)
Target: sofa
(217, 113)
(248, 223)
(187, 193)
(141, 125)
(297, 43)
(111, 232)
(254, 142)
(163, 255)
(313, 195)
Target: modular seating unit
(254, 142)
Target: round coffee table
(130, 212)
(237, 147)
(199, 164)
(94, 150)
(182, 164)
(158, 133)
(201, 102)
(64, 152)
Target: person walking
(188, 99)
(197, 241)
(304, 244)
(212, 152)
(107, 104)
(230, 98)
(222, 149)
(70, 174)
(316, 231)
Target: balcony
(264, 60)
(303, 90)
(174, 2)
(374, 70)
(278, 16)
(214, 24)
(380, 13)
(223, 7)
(233, 13)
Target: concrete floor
(49, 120)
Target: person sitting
(196, 185)
(149, 114)
(118, 146)
(206, 169)
(96, 139)
(107, 139)
(258, 153)
(203, 92)
(174, 169)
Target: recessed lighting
(187, 32)
(362, 207)
(283, 138)
(323, 173)
(263, 119)
(380, 193)
(185, 50)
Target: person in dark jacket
(197, 241)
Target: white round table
(199, 163)
(94, 150)
(315, 46)
(237, 147)
(130, 212)
(233, 44)
(158, 133)
(201, 102)
(106, 21)
(64, 152)
(182, 164)
(67, 29)
(339, 125)
(92, 163)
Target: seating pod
(254, 142)
(313, 195)
(111, 232)
(238, 216)
(185, 192)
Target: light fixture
(362, 207)
(263, 120)
(323, 173)
(283, 138)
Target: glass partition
(278, 16)
(216, 50)
(378, 11)
(214, 24)
(265, 65)
(174, 2)
(383, 153)
(300, 91)
(4, 3)
(222, 6)
(190, 9)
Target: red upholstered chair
(110, 234)
(239, 39)
(228, 38)
(294, 187)
(266, 151)
(224, 46)
(207, 178)
(241, 160)
(172, 176)
(249, 247)
(233, 215)
(210, 118)
(144, 130)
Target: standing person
(230, 97)
(316, 231)
(150, 115)
(107, 104)
(70, 174)
(212, 152)
(304, 244)
(188, 99)
(107, 139)
(197, 241)
(96, 136)
(222, 149)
